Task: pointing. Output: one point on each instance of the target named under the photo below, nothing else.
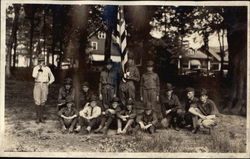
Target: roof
(192, 55)
(215, 52)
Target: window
(215, 67)
(94, 45)
(101, 35)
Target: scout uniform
(127, 86)
(148, 120)
(68, 117)
(85, 96)
(188, 117)
(66, 94)
(43, 78)
(107, 85)
(171, 109)
(126, 118)
(150, 87)
(89, 115)
(207, 109)
(108, 115)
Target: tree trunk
(107, 52)
(237, 47)
(12, 40)
(32, 18)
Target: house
(96, 48)
(198, 61)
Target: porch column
(208, 64)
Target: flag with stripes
(121, 36)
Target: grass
(23, 135)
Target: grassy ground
(22, 134)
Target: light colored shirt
(90, 112)
(45, 76)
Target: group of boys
(97, 114)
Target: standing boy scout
(126, 118)
(171, 108)
(150, 87)
(109, 115)
(205, 111)
(43, 78)
(130, 76)
(68, 117)
(66, 93)
(148, 120)
(107, 84)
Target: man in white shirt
(43, 78)
(89, 115)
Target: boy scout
(43, 78)
(89, 115)
(66, 93)
(150, 87)
(107, 84)
(171, 108)
(205, 111)
(148, 120)
(191, 100)
(108, 116)
(126, 117)
(130, 76)
(85, 94)
(68, 117)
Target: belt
(41, 82)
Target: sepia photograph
(124, 79)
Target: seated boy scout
(66, 93)
(148, 120)
(205, 111)
(126, 117)
(68, 117)
(89, 115)
(189, 117)
(108, 115)
(171, 109)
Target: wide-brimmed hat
(41, 57)
(190, 89)
(109, 61)
(150, 63)
(169, 87)
(148, 106)
(93, 98)
(130, 102)
(115, 99)
(70, 102)
(85, 84)
(203, 92)
(67, 80)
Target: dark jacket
(66, 112)
(147, 119)
(208, 108)
(172, 103)
(131, 114)
(188, 103)
(134, 73)
(85, 97)
(66, 95)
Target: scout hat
(85, 84)
(150, 63)
(115, 99)
(67, 81)
(109, 61)
(189, 89)
(203, 92)
(130, 55)
(93, 98)
(148, 106)
(41, 57)
(169, 87)
(130, 102)
(71, 102)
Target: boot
(42, 112)
(98, 129)
(37, 114)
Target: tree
(236, 23)
(12, 39)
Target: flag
(121, 36)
